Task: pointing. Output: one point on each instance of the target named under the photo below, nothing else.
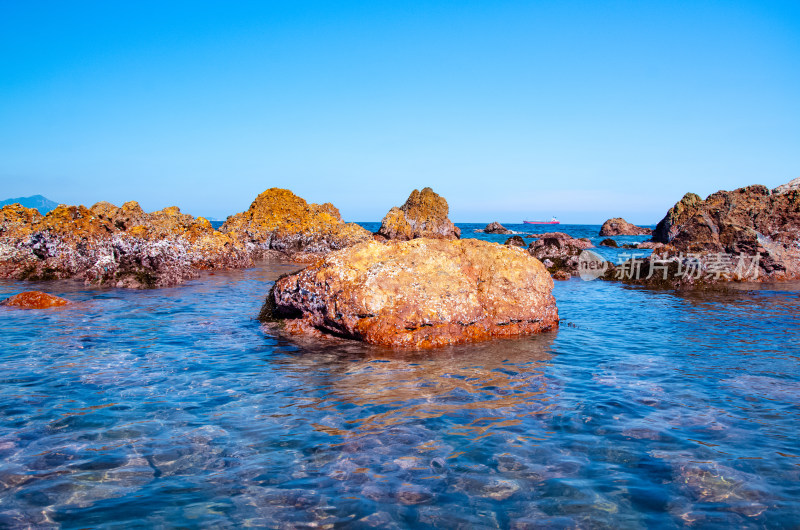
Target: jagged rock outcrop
(496, 228)
(559, 252)
(751, 221)
(127, 247)
(280, 220)
(424, 214)
(16, 220)
(679, 214)
(127, 216)
(620, 227)
(793, 184)
(418, 294)
(34, 300)
(124, 246)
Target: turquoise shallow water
(174, 407)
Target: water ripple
(175, 407)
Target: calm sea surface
(175, 407)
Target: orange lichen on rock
(419, 294)
(424, 214)
(34, 300)
(280, 220)
(16, 220)
(105, 244)
(74, 222)
(127, 247)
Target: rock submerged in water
(34, 300)
(608, 242)
(424, 214)
(620, 227)
(420, 293)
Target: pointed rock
(424, 214)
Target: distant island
(41, 203)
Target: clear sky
(509, 109)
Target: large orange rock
(424, 214)
(419, 293)
(280, 220)
(34, 300)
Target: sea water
(176, 408)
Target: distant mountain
(43, 204)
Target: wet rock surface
(620, 227)
(609, 243)
(419, 294)
(559, 252)
(424, 214)
(34, 300)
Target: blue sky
(510, 110)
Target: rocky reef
(104, 244)
(750, 221)
(424, 214)
(127, 247)
(749, 234)
(419, 293)
(620, 227)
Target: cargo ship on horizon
(552, 221)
